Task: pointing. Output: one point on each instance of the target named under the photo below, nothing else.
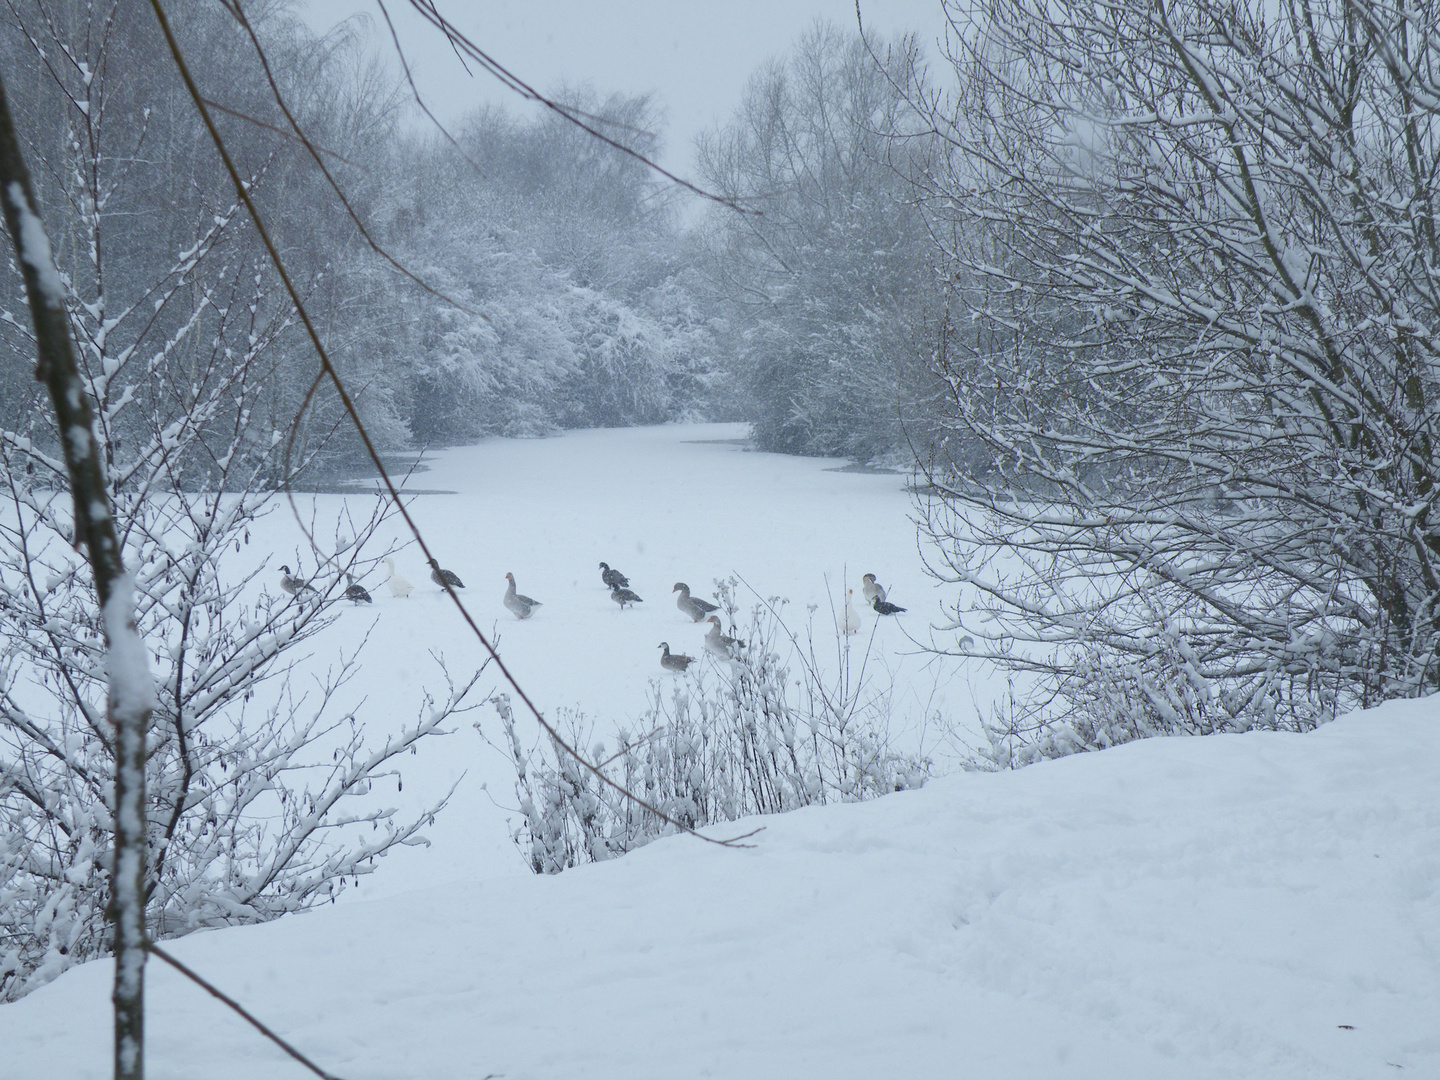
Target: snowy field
(663, 504)
(1261, 905)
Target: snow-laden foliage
(578, 306)
(255, 789)
(1195, 255)
(828, 280)
(725, 740)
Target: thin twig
(239, 14)
(514, 83)
(349, 405)
(282, 133)
(204, 984)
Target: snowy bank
(1259, 905)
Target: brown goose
(624, 596)
(674, 661)
(522, 607)
(721, 645)
(444, 578)
(613, 578)
(693, 606)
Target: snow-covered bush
(256, 791)
(728, 739)
(1192, 251)
(581, 303)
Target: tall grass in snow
(769, 731)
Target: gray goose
(624, 596)
(522, 607)
(293, 585)
(444, 578)
(721, 645)
(674, 661)
(693, 606)
(613, 579)
(356, 592)
(872, 589)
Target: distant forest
(560, 288)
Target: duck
(624, 596)
(674, 661)
(719, 644)
(613, 578)
(849, 618)
(871, 588)
(693, 606)
(293, 585)
(884, 607)
(356, 592)
(522, 607)
(397, 585)
(446, 579)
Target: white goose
(849, 618)
(397, 585)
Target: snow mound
(1259, 905)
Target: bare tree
(828, 284)
(253, 796)
(1195, 304)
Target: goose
(624, 596)
(613, 578)
(693, 606)
(356, 592)
(849, 618)
(674, 661)
(871, 589)
(718, 644)
(522, 607)
(446, 579)
(398, 585)
(293, 585)
(884, 607)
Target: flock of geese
(717, 643)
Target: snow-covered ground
(663, 504)
(1242, 906)
(1257, 905)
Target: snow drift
(1234, 906)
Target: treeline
(550, 280)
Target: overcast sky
(695, 55)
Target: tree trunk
(131, 694)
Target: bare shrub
(764, 733)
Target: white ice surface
(663, 504)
